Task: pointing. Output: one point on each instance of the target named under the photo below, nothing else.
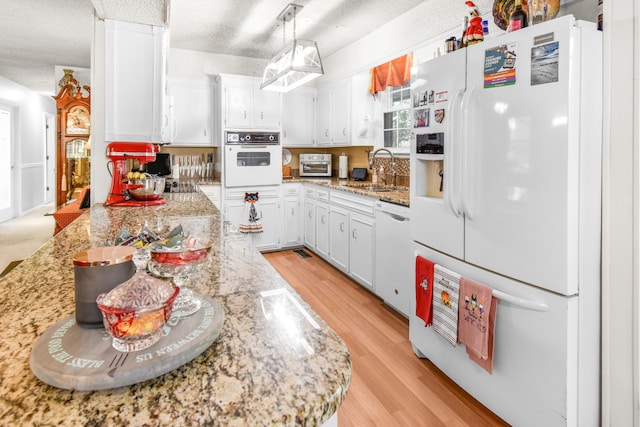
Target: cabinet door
(135, 58)
(239, 104)
(266, 109)
(364, 109)
(362, 250)
(192, 106)
(213, 193)
(291, 235)
(322, 230)
(339, 238)
(298, 118)
(233, 212)
(341, 112)
(268, 212)
(324, 116)
(310, 224)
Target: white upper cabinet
(345, 112)
(191, 111)
(365, 129)
(248, 107)
(298, 117)
(334, 113)
(134, 73)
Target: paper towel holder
(343, 166)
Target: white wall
(183, 62)
(621, 218)
(29, 143)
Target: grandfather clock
(73, 143)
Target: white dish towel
(446, 289)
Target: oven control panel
(272, 138)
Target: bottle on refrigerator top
(536, 12)
(518, 18)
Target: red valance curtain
(396, 72)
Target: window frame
(404, 104)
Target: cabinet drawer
(310, 192)
(291, 189)
(361, 204)
(266, 192)
(322, 194)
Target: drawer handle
(353, 233)
(342, 226)
(322, 219)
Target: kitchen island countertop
(276, 362)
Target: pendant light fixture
(296, 64)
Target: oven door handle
(246, 147)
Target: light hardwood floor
(390, 386)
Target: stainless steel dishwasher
(394, 256)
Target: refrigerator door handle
(451, 164)
(466, 155)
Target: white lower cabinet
(322, 229)
(292, 228)
(339, 238)
(316, 220)
(361, 252)
(310, 223)
(365, 238)
(352, 235)
(213, 193)
(267, 209)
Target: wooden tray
(71, 357)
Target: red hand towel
(473, 316)
(424, 289)
(487, 364)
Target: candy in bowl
(135, 311)
(178, 257)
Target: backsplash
(402, 170)
(358, 158)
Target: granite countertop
(263, 369)
(396, 195)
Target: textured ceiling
(38, 35)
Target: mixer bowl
(147, 189)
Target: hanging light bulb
(296, 64)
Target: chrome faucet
(372, 158)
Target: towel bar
(531, 305)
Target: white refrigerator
(506, 190)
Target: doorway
(7, 210)
(50, 157)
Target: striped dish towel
(446, 288)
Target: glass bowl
(172, 263)
(147, 189)
(177, 258)
(135, 312)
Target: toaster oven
(315, 165)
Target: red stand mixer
(122, 191)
